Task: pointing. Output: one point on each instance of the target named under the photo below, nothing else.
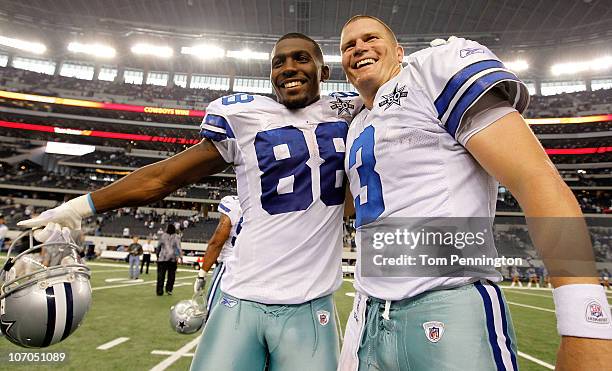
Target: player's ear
(324, 73)
(400, 53)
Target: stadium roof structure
(544, 30)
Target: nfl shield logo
(595, 310)
(433, 330)
(323, 317)
(595, 313)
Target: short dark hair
(170, 229)
(297, 35)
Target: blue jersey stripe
(488, 306)
(502, 309)
(224, 208)
(454, 84)
(220, 122)
(215, 137)
(474, 92)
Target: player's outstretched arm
(145, 185)
(154, 182)
(216, 242)
(509, 151)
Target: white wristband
(83, 205)
(582, 311)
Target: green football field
(130, 315)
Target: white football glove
(53, 232)
(200, 283)
(68, 215)
(438, 42)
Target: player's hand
(68, 215)
(53, 232)
(198, 285)
(438, 42)
(583, 354)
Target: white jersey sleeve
(458, 74)
(217, 125)
(230, 206)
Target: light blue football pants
(240, 335)
(466, 328)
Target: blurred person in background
(135, 250)
(3, 232)
(147, 249)
(169, 252)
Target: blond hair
(360, 16)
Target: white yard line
(514, 291)
(176, 355)
(169, 353)
(110, 270)
(535, 360)
(112, 343)
(526, 288)
(532, 307)
(137, 284)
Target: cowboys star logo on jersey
(393, 97)
(343, 106)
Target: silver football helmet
(44, 292)
(188, 316)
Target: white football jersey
(230, 206)
(406, 156)
(290, 175)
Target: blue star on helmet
(342, 106)
(393, 97)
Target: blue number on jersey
(288, 162)
(237, 98)
(367, 210)
(238, 229)
(331, 193)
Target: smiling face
(370, 55)
(297, 72)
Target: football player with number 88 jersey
(288, 158)
(289, 161)
(432, 139)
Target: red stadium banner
(152, 138)
(197, 113)
(96, 133)
(101, 105)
